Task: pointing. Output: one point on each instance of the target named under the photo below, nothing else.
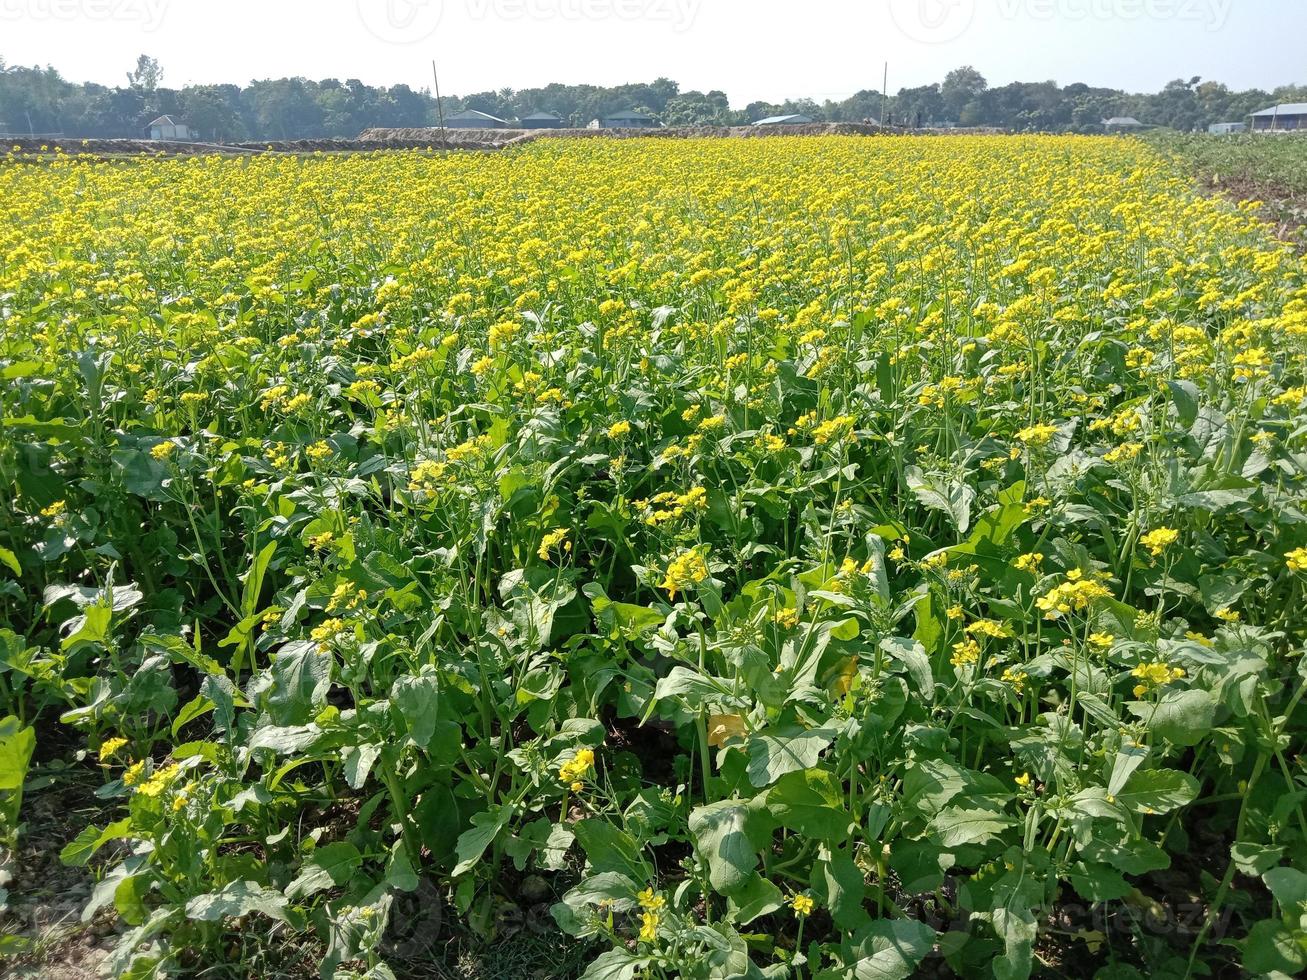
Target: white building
(168, 128)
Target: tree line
(38, 100)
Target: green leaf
(1274, 948)
(810, 803)
(331, 864)
(197, 707)
(485, 828)
(1128, 759)
(1098, 882)
(920, 865)
(913, 656)
(693, 688)
(755, 899)
(17, 743)
(930, 784)
(611, 887)
(286, 740)
(616, 964)
(719, 833)
(939, 492)
(772, 756)
(358, 761)
(129, 898)
(1184, 394)
(1288, 885)
(9, 559)
(82, 848)
(842, 888)
(417, 698)
(237, 899)
(301, 678)
(1158, 791)
(254, 579)
(955, 826)
(1255, 859)
(609, 848)
(892, 949)
(1181, 717)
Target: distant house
(473, 119)
(627, 119)
(794, 119)
(542, 120)
(168, 128)
(1281, 118)
(1227, 129)
(1122, 124)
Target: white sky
(751, 49)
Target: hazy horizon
(764, 51)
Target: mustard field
(810, 557)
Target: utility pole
(440, 108)
(884, 95)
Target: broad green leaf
(955, 826)
(607, 887)
(472, 843)
(301, 677)
(810, 803)
(616, 964)
(772, 756)
(892, 949)
(1275, 949)
(129, 898)
(1182, 717)
(81, 849)
(1288, 885)
(913, 656)
(609, 848)
(1255, 859)
(950, 496)
(1155, 791)
(758, 897)
(330, 864)
(719, 833)
(240, 898)
(417, 698)
(841, 887)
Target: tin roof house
(1122, 124)
(794, 119)
(626, 119)
(543, 120)
(168, 128)
(1289, 117)
(475, 119)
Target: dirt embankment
(115, 147)
(510, 137)
(414, 139)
